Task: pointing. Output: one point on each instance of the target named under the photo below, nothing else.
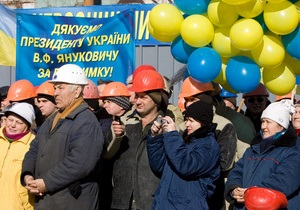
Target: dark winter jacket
(132, 176)
(66, 158)
(188, 170)
(274, 165)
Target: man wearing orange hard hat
(45, 99)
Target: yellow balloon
(269, 53)
(166, 18)
(246, 34)
(197, 30)
(297, 4)
(279, 80)
(275, 1)
(222, 43)
(251, 8)
(221, 78)
(293, 63)
(221, 14)
(281, 18)
(160, 36)
(235, 2)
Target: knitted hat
(200, 111)
(279, 112)
(155, 96)
(23, 110)
(48, 97)
(121, 101)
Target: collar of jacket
(200, 133)
(288, 139)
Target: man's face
(100, 90)
(65, 94)
(47, 107)
(113, 108)
(256, 104)
(145, 105)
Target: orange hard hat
(258, 198)
(21, 90)
(261, 90)
(114, 89)
(90, 91)
(45, 88)
(143, 67)
(181, 103)
(147, 80)
(191, 87)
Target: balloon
(197, 30)
(222, 43)
(235, 2)
(204, 64)
(279, 80)
(192, 7)
(221, 14)
(294, 64)
(242, 74)
(261, 21)
(246, 34)
(269, 53)
(291, 42)
(297, 4)
(181, 50)
(162, 37)
(166, 19)
(275, 1)
(281, 18)
(227, 87)
(251, 8)
(221, 78)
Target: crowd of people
(72, 144)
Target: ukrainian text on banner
(142, 12)
(104, 48)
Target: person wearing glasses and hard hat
(256, 102)
(62, 165)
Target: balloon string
(241, 104)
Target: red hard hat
(258, 198)
(191, 87)
(114, 89)
(147, 80)
(144, 67)
(21, 90)
(261, 90)
(46, 88)
(90, 91)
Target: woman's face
(296, 118)
(270, 127)
(15, 125)
(191, 125)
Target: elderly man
(62, 163)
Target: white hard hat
(24, 110)
(70, 73)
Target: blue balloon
(180, 50)
(204, 64)
(192, 7)
(297, 80)
(242, 74)
(291, 42)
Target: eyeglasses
(258, 99)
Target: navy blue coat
(188, 170)
(276, 167)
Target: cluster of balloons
(235, 43)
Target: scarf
(67, 111)
(14, 137)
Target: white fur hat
(24, 110)
(279, 112)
